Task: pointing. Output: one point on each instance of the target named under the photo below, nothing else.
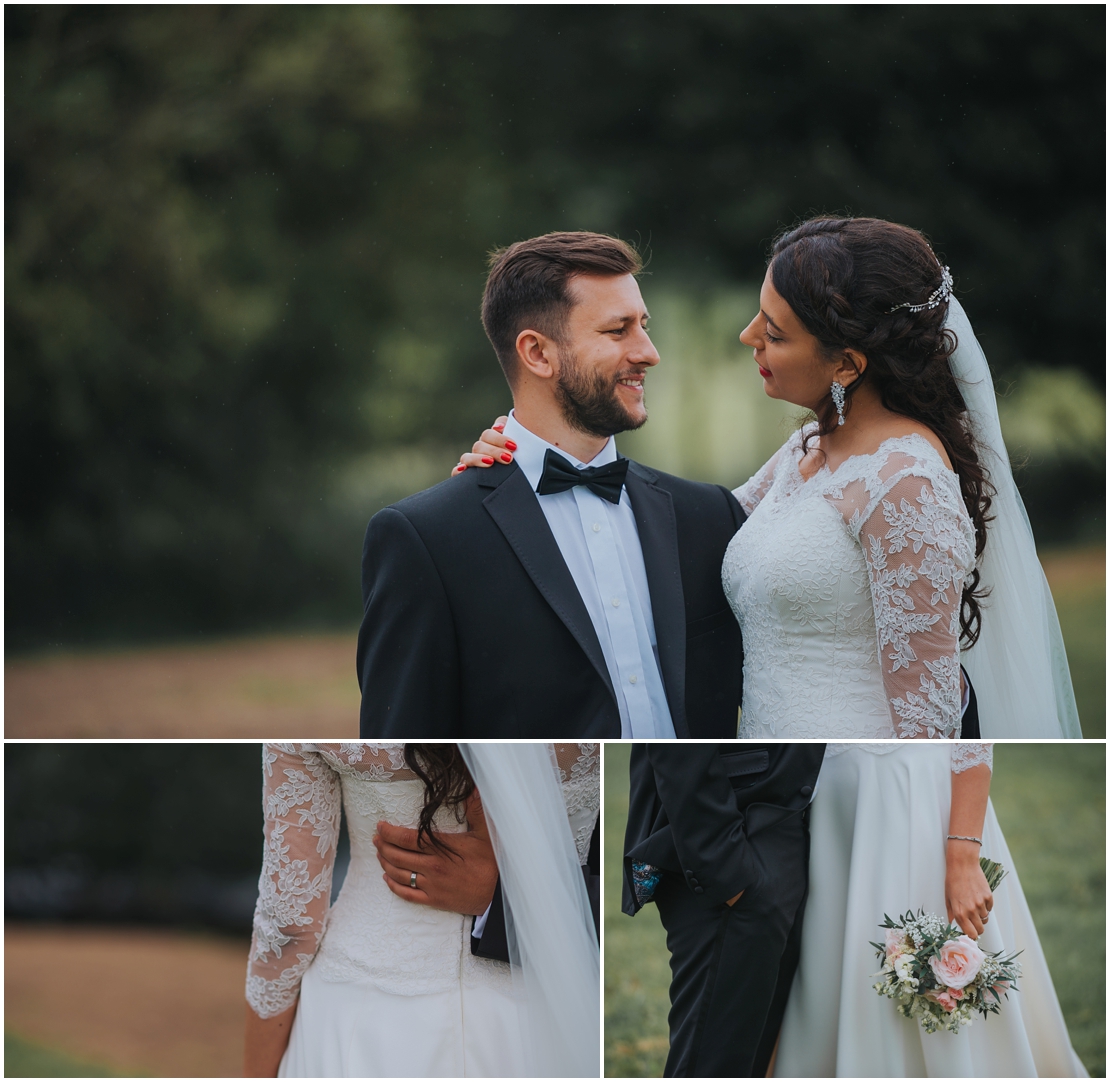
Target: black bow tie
(603, 481)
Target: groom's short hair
(527, 285)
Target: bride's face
(791, 361)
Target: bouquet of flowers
(937, 974)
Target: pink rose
(959, 962)
(946, 1001)
(999, 990)
(896, 944)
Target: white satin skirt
(353, 1029)
(878, 826)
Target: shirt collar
(530, 451)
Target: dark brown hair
(447, 783)
(841, 277)
(527, 285)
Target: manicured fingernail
(499, 428)
(487, 461)
(510, 445)
(461, 468)
(506, 458)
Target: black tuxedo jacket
(693, 808)
(473, 626)
(494, 941)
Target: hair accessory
(837, 392)
(938, 296)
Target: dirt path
(273, 688)
(136, 1001)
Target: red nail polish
(506, 458)
(487, 461)
(499, 428)
(509, 445)
(461, 468)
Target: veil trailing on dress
(1018, 666)
(552, 944)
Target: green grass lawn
(1082, 611)
(22, 1059)
(1051, 801)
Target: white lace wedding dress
(847, 588)
(383, 987)
(878, 826)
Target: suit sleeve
(707, 827)
(407, 660)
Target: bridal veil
(1018, 666)
(552, 944)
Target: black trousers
(731, 968)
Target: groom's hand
(459, 882)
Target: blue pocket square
(645, 881)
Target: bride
(886, 543)
(375, 986)
(893, 827)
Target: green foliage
(245, 245)
(155, 808)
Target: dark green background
(245, 245)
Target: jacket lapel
(655, 523)
(513, 506)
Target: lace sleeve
(965, 756)
(919, 546)
(757, 486)
(301, 802)
(579, 767)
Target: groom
(718, 838)
(571, 593)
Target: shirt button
(632, 679)
(616, 602)
(807, 790)
(597, 527)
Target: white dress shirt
(601, 546)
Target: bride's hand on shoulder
(491, 447)
(966, 893)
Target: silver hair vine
(937, 297)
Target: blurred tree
(245, 244)
(155, 807)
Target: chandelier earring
(838, 400)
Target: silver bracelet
(961, 838)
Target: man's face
(604, 356)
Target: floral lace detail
(847, 587)
(965, 756)
(752, 491)
(302, 815)
(403, 949)
(581, 790)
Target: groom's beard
(589, 400)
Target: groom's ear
(536, 354)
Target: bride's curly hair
(842, 277)
(447, 784)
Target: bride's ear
(850, 366)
